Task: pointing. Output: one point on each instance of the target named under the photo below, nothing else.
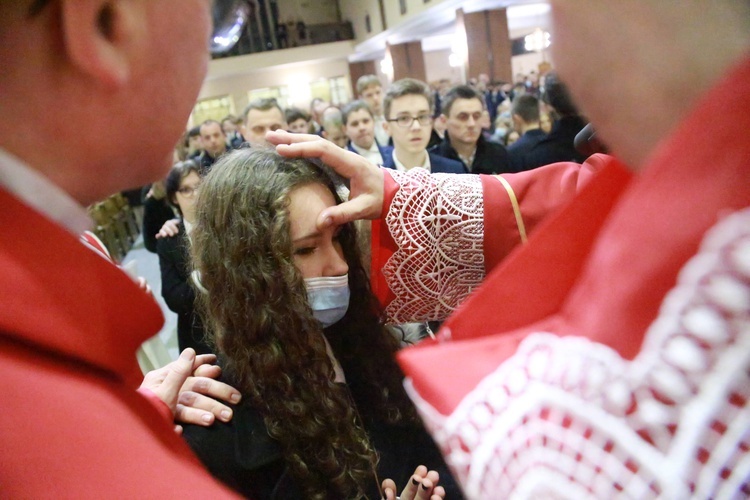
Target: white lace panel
(569, 418)
(437, 222)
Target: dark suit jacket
(178, 292)
(385, 151)
(519, 149)
(558, 145)
(438, 165)
(155, 214)
(490, 157)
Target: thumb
(341, 214)
(178, 373)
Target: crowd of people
(595, 309)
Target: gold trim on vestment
(516, 208)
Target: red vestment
(72, 423)
(609, 355)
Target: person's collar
(373, 149)
(42, 195)
(401, 168)
(188, 226)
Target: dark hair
(527, 107)
(460, 92)
(556, 95)
(195, 131)
(404, 87)
(257, 312)
(294, 114)
(179, 171)
(211, 122)
(365, 81)
(232, 119)
(353, 107)
(263, 104)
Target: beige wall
(437, 67)
(296, 67)
(355, 11)
(309, 11)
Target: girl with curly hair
(301, 335)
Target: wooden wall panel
(357, 69)
(408, 61)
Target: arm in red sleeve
(441, 233)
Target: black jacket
(178, 292)
(490, 157)
(558, 145)
(242, 455)
(519, 149)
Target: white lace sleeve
(566, 417)
(437, 223)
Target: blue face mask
(328, 298)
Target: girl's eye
(304, 251)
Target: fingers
(389, 489)
(357, 208)
(197, 409)
(344, 162)
(212, 388)
(424, 492)
(438, 493)
(167, 381)
(170, 228)
(204, 359)
(412, 488)
(210, 371)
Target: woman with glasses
(181, 185)
(300, 334)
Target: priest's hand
(365, 179)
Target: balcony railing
(257, 38)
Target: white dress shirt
(38, 192)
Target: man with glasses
(462, 114)
(408, 108)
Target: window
(213, 108)
(339, 90)
(402, 5)
(281, 94)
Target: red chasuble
(610, 355)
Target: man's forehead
(210, 129)
(466, 106)
(360, 114)
(410, 103)
(264, 115)
(371, 89)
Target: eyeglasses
(188, 191)
(406, 121)
(229, 18)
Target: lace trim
(437, 222)
(566, 417)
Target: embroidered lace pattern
(437, 222)
(569, 418)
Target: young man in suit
(408, 107)
(359, 125)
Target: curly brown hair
(257, 311)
